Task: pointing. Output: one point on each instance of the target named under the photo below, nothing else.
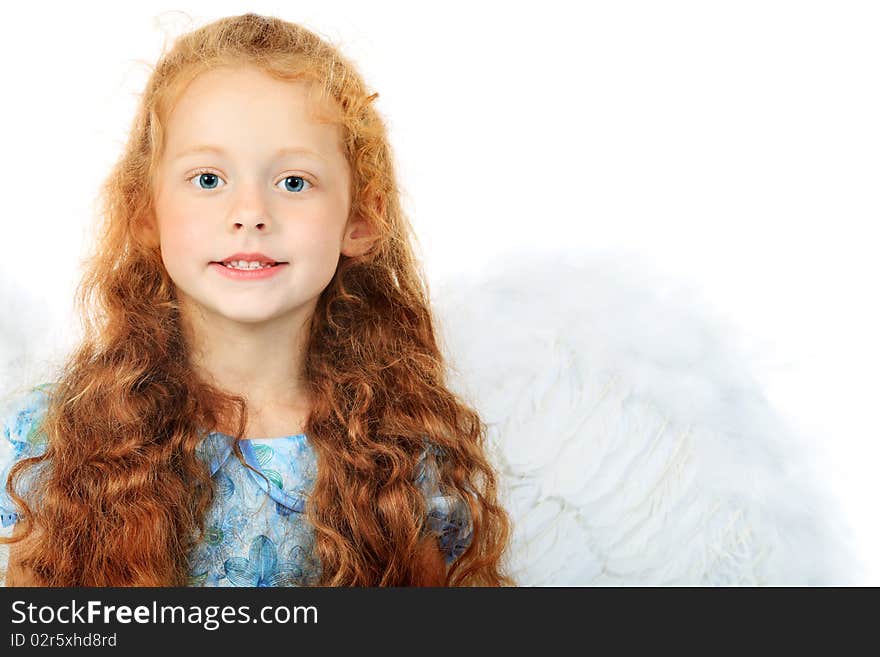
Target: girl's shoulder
(20, 437)
(20, 415)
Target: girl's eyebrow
(288, 150)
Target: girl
(259, 399)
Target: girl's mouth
(254, 272)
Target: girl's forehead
(240, 105)
(246, 88)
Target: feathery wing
(633, 445)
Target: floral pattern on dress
(262, 568)
(256, 533)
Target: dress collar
(216, 449)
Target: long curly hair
(125, 498)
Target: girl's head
(247, 165)
(301, 171)
(299, 167)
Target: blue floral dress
(256, 532)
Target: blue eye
(301, 180)
(208, 180)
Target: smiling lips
(248, 266)
(249, 272)
(249, 259)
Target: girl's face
(247, 170)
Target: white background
(734, 144)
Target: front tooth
(244, 264)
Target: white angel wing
(34, 339)
(634, 447)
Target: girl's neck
(260, 361)
(263, 423)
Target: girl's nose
(258, 224)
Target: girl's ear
(151, 235)
(146, 231)
(360, 236)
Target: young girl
(259, 399)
